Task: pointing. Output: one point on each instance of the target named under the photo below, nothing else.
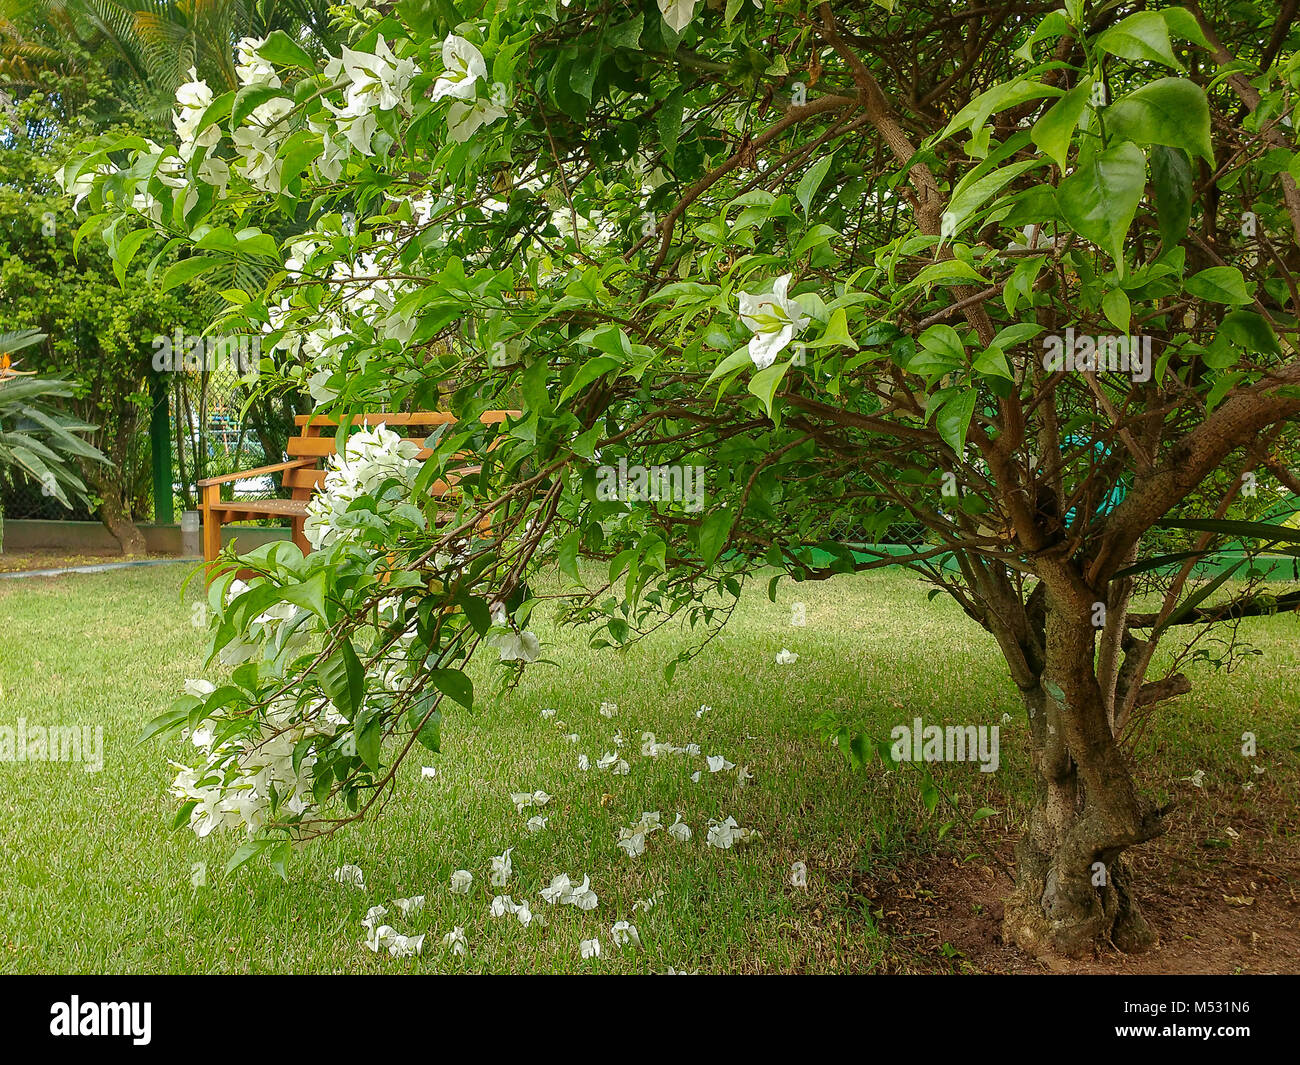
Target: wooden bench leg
(211, 528)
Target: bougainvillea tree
(751, 273)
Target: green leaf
(1117, 309)
(1171, 111)
(281, 50)
(953, 419)
(1143, 37)
(567, 555)
(187, 270)
(1099, 199)
(1249, 331)
(369, 739)
(812, 181)
(943, 340)
(454, 684)
(1053, 132)
(1171, 174)
(764, 383)
(343, 679)
(126, 249)
(714, 531)
(1219, 284)
(248, 99)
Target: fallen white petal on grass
(409, 906)
(1196, 780)
(608, 709)
(717, 763)
(703, 710)
(455, 940)
(590, 948)
(461, 880)
(428, 772)
(680, 830)
(725, 833)
(501, 868)
(372, 915)
(563, 891)
(799, 875)
(536, 823)
(625, 934)
(548, 713)
(786, 657)
(350, 875)
(405, 946)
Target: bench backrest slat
(315, 439)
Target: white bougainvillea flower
(725, 833)
(536, 823)
(405, 946)
(455, 940)
(633, 844)
(618, 738)
(200, 689)
(590, 948)
(463, 67)
(464, 120)
(409, 906)
(562, 891)
(743, 775)
(584, 763)
(703, 710)
(607, 761)
(608, 709)
(572, 737)
(380, 937)
(502, 905)
(582, 896)
(461, 880)
(517, 646)
(525, 799)
(679, 829)
(774, 319)
(1258, 770)
(192, 100)
(799, 875)
(786, 657)
(251, 69)
(625, 934)
(717, 763)
(677, 13)
(1006, 719)
(548, 714)
(558, 888)
(501, 868)
(524, 914)
(695, 777)
(372, 915)
(350, 875)
(1196, 780)
(428, 772)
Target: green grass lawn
(94, 881)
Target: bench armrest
(244, 475)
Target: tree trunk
(1073, 888)
(116, 517)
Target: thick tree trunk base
(1044, 918)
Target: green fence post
(160, 446)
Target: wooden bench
(304, 472)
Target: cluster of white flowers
(239, 779)
(463, 69)
(369, 459)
